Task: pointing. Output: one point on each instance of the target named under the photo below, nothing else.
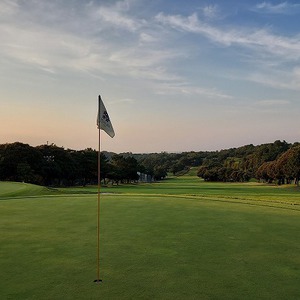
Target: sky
(174, 75)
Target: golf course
(181, 238)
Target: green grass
(15, 189)
(178, 239)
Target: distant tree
(53, 165)
(132, 169)
(123, 169)
(177, 167)
(20, 162)
(284, 169)
(86, 162)
(289, 164)
(24, 173)
(104, 166)
(59, 165)
(160, 173)
(263, 153)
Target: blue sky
(174, 75)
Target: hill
(17, 189)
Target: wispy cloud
(93, 47)
(273, 102)
(8, 7)
(42, 48)
(113, 41)
(124, 100)
(147, 38)
(272, 56)
(187, 89)
(211, 11)
(259, 40)
(286, 80)
(218, 62)
(280, 8)
(110, 41)
(118, 19)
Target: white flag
(103, 121)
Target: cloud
(259, 40)
(147, 38)
(273, 102)
(8, 8)
(269, 54)
(110, 39)
(124, 100)
(108, 42)
(43, 48)
(285, 80)
(211, 11)
(181, 88)
(280, 8)
(118, 19)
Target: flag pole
(103, 122)
(98, 280)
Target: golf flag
(103, 121)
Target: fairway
(179, 239)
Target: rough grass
(179, 239)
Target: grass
(179, 239)
(15, 189)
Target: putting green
(181, 239)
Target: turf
(179, 239)
(15, 189)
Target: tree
(289, 164)
(160, 172)
(123, 169)
(59, 165)
(20, 162)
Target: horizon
(174, 76)
(157, 152)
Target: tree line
(277, 162)
(51, 165)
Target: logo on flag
(103, 120)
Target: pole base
(98, 280)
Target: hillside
(17, 189)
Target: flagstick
(103, 122)
(98, 280)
